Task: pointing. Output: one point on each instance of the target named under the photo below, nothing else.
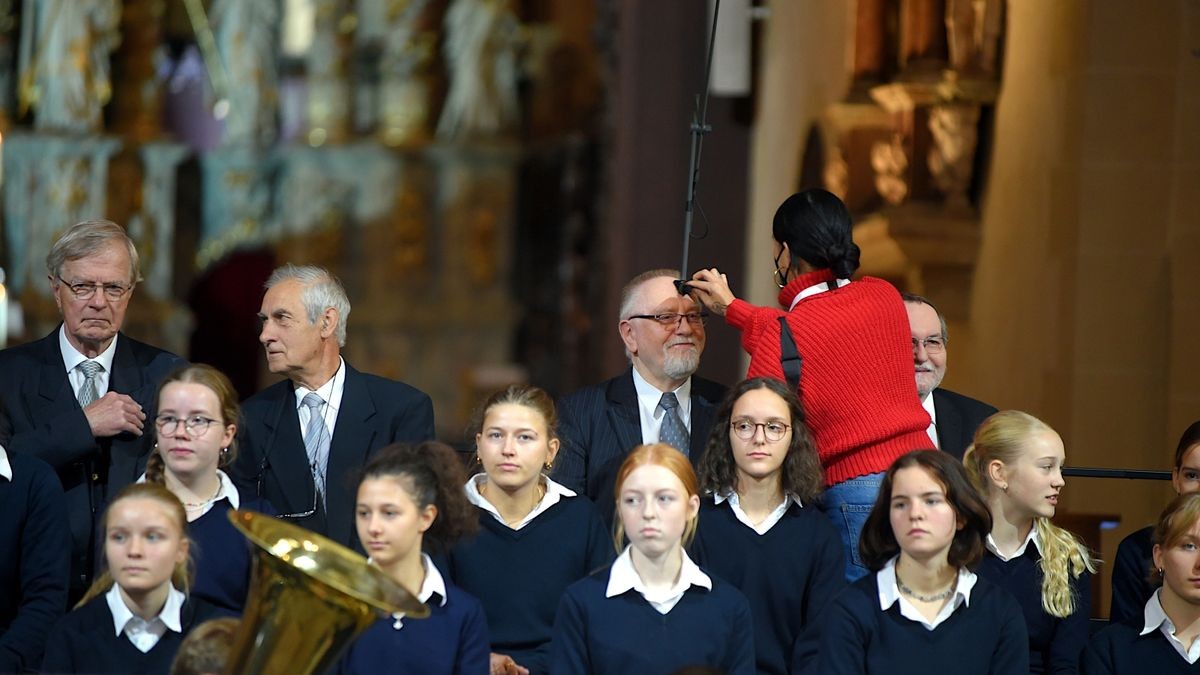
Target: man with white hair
(303, 439)
(656, 400)
(954, 417)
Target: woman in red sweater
(856, 373)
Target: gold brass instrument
(309, 597)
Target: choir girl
(538, 532)
(1163, 638)
(197, 438)
(410, 500)
(846, 344)
(1130, 577)
(924, 610)
(653, 611)
(35, 555)
(759, 526)
(206, 649)
(137, 612)
(1016, 463)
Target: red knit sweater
(857, 382)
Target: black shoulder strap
(789, 356)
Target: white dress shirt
(330, 392)
(927, 404)
(144, 634)
(768, 522)
(1156, 618)
(1031, 537)
(648, 398)
(554, 492)
(623, 578)
(433, 584)
(5, 467)
(225, 490)
(72, 358)
(889, 594)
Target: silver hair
(630, 293)
(89, 238)
(922, 300)
(319, 291)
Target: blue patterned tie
(673, 432)
(316, 441)
(87, 391)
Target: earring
(780, 280)
(549, 466)
(1160, 572)
(224, 452)
(1004, 487)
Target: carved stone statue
(247, 38)
(482, 38)
(952, 154)
(64, 62)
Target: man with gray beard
(656, 400)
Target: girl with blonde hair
(1016, 463)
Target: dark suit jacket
(48, 423)
(273, 464)
(958, 417)
(600, 424)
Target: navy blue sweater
(453, 640)
(83, 641)
(520, 575)
(1130, 585)
(1054, 643)
(35, 560)
(1118, 649)
(625, 635)
(788, 575)
(222, 554)
(986, 635)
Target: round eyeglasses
(194, 426)
(745, 429)
(934, 344)
(84, 290)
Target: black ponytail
(817, 228)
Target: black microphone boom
(698, 127)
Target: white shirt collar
(554, 493)
(813, 290)
(330, 392)
(72, 357)
(889, 594)
(433, 583)
(651, 415)
(623, 578)
(5, 467)
(931, 430)
(226, 490)
(122, 615)
(1031, 537)
(1156, 617)
(770, 521)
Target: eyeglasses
(86, 289)
(745, 429)
(195, 426)
(671, 319)
(935, 344)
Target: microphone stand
(698, 128)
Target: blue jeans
(847, 505)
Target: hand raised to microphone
(711, 289)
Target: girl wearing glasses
(1016, 463)
(759, 527)
(137, 612)
(410, 499)
(852, 339)
(1162, 639)
(653, 610)
(197, 430)
(522, 516)
(923, 610)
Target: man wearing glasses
(954, 417)
(656, 400)
(79, 398)
(305, 438)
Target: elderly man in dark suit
(954, 417)
(80, 397)
(304, 439)
(656, 400)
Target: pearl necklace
(936, 597)
(196, 506)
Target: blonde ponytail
(1064, 557)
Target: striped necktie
(673, 432)
(316, 441)
(87, 391)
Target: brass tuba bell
(308, 598)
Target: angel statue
(482, 39)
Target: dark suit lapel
(129, 452)
(949, 424)
(352, 441)
(286, 457)
(54, 389)
(623, 416)
(702, 414)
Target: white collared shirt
(145, 634)
(72, 358)
(554, 492)
(648, 398)
(225, 490)
(1157, 618)
(889, 594)
(814, 290)
(768, 522)
(330, 392)
(5, 467)
(927, 404)
(623, 578)
(433, 583)
(1031, 537)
